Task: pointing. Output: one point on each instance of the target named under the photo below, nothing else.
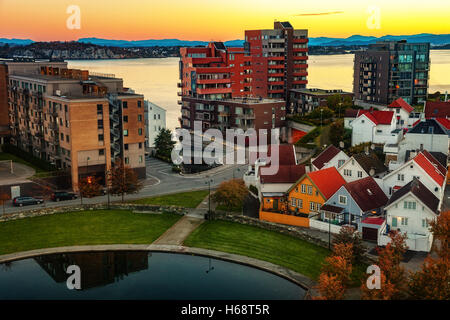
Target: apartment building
(389, 70)
(77, 121)
(155, 118)
(304, 100)
(234, 113)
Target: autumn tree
(337, 132)
(231, 194)
(123, 180)
(89, 187)
(432, 282)
(336, 272)
(349, 235)
(393, 276)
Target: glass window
(125, 133)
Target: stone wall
(65, 209)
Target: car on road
(26, 201)
(59, 196)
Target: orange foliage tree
(231, 193)
(89, 187)
(123, 180)
(393, 279)
(336, 273)
(432, 282)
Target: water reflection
(97, 268)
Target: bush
(37, 162)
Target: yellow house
(312, 190)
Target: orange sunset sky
(44, 20)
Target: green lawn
(261, 244)
(83, 228)
(271, 246)
(185, 199)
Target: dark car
(58, 196)
(26, 201)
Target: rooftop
(325, 156)
(369, 162)
(437, 109)
(328, 181)
(320, 92)
(286, 174)
(378, 117)
(431, 166)
(420, 191)
(429, 126)
(367, 194)
(400, 103)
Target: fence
(324, 226)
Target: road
(160, 180)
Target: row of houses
(359, 190)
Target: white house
(410, 211)
(402, 111)
(425, 168)
(362, 165)
(330, 157)
(155, 120)
(349, 116)
(375, 126)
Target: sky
(219, 20)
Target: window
(100, 137)
(309, 189)
(140, 145)
(127, 160)
(293, 202)
(401, 177)
(411, 205)
(125, 118)
(125, 146)
(341, 163)
(101, 152)
(299, 203)
(100, 124)
(99, 109)
(140, 131)
(342, 200)
(311, 206)
(139, 117)
(347, 172)
(360, 174)
(404, 221)
(424, 223)
(125, 104)
(139, 103)
(141, 159)
(125, 133)
(67, 138)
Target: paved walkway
(179, 231)
(20, 174)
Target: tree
(123, 180)
(336, 272)
(89, 187)
(393, 278)
(349, 235)
(433, 280)
(337, 132)
(3, 198)
(338, 103)
(327, 113)
(231, 193)
(164, 144)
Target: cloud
(319, 13)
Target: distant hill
(355, 40)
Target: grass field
(184, 199)
(254, 242)
(83, 228)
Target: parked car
(58, 196)
(26, 201)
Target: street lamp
(209, 191)
(321, 112)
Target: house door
(370, 234)
(275, 204)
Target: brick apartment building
(306, 100)
(271, 63)
(389, 70)
(77, 121)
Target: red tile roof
(378, 117)
(444, 122)
(325, 156)
(286, 154)
(374, 220)
(400, 103)
(328, 181)
(437, 109)
(367, 194)
(431, 166)
(286, 174)
(297, 135)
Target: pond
(141, 275)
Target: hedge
(39, 163)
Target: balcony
(213, 81)
(276, 58)
(214, 90)
(300, 58)
(298, 40)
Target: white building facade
(155, 120)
